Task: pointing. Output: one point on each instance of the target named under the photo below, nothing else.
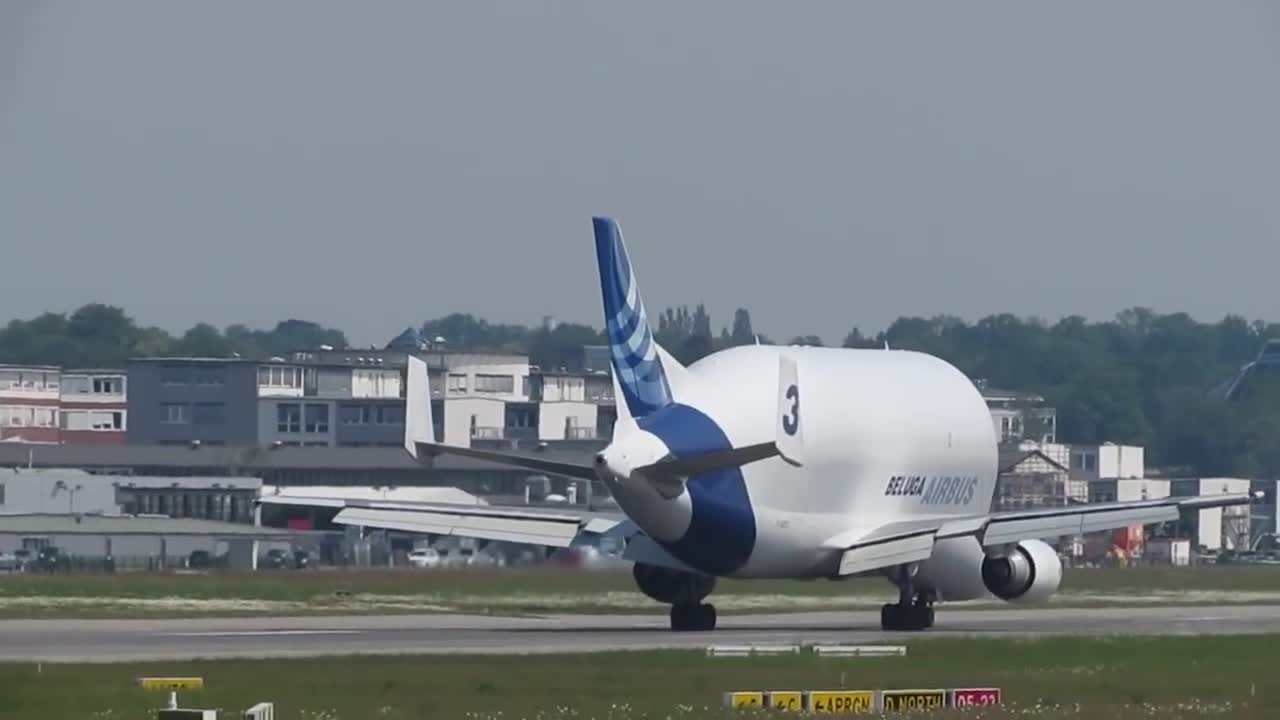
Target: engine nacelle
(672, 587)
(960, 569)
(1031, 572)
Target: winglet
(419, 425)
(790, 432)
(420, 433)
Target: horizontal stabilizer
(557, 467)
(734, 457)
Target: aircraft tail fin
(642, 371)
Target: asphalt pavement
(304, 636)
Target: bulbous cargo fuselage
(887, 436)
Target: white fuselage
(889, 436)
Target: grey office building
(235, 402)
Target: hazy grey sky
(370, 165)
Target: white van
(424, 558)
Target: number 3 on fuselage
(790, 439)
(791, 419)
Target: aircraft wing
(912, 540)
(537, 525)
(532, 525)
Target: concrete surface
(127, 640)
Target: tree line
(1141, 378)
(103, 336)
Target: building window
(495, 383)
(280, 376)
(390, 415)
(99, 421)
(108, 386)
(209, 413)
(175, 413)
(354, 414)
(317, 418)
(457, 383)
(288, 418)
(174, 376)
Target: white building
(1019, 416)
(1217, 528)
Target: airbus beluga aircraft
(782, 462)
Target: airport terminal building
(198, 438)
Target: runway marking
(258, 633)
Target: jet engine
(1032, 571)
(960, 570)
(672, 587)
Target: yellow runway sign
(170, 683)
(744, 699)
(842, 701)
(791, 700)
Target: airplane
(785, 462)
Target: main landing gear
(693, 617)
(683, 591)
(913, 611)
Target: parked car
(9, 561)
(424, 558)
(52, 559)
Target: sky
(825, 164)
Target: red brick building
(93, 408)
(44, 404)
(29, 402)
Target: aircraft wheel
(706, 617)
(908, 617)
(693, 617)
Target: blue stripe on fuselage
(722, 531)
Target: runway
(179, 639)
